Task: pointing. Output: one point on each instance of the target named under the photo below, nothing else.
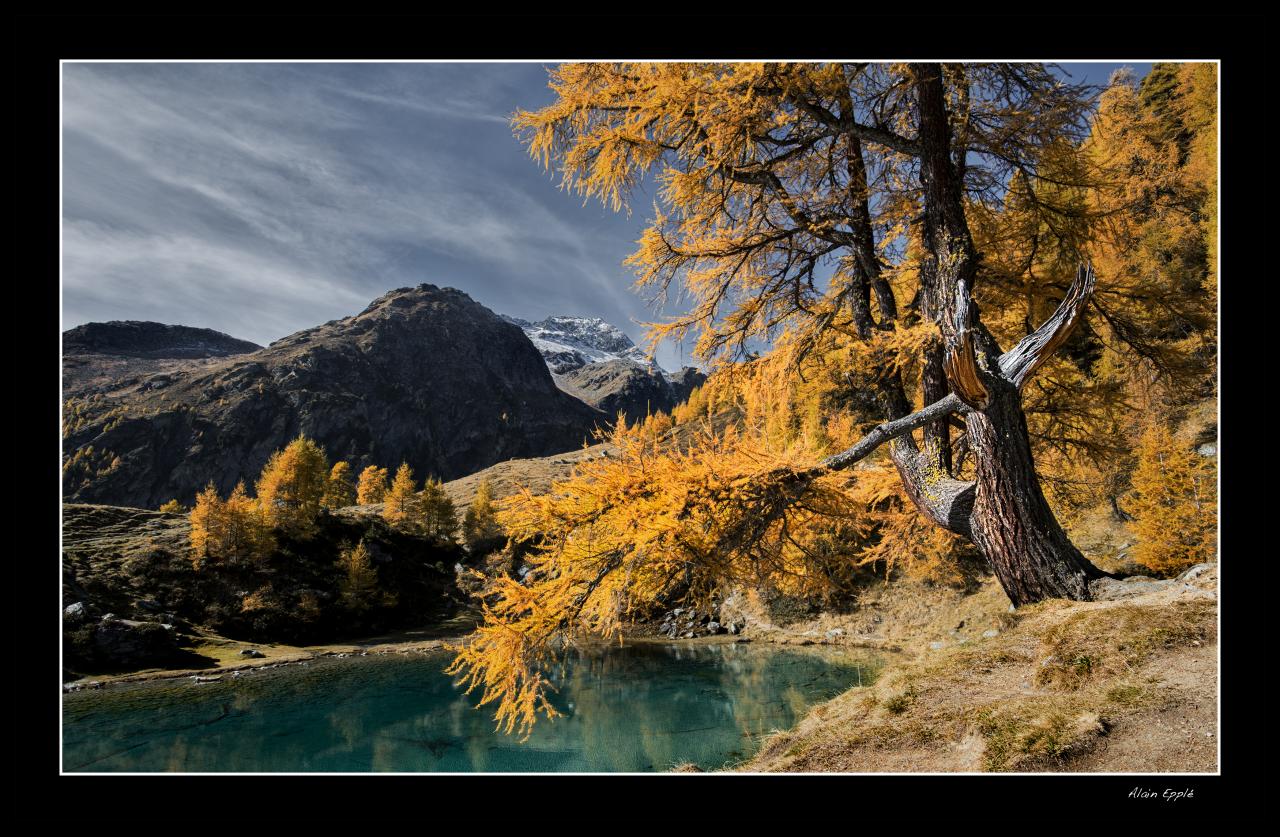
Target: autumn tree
(291, 487)
(339, 490)
(401, 506)
(372, 487)
(359, 584)
(439, 517)
(815, 211)
(228, 530)
(480, 528)
(1174, 502)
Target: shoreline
(278, 656)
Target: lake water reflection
(638, 707)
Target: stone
(74, 612)
(1110, 589)
(936, 646)
(835, 632)
(1195, 572)
(126, 642)
(990, 633)
(251, 652)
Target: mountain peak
(568, 342)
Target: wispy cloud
(262, 199)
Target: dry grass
(1053, 691)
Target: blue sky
(261, 199)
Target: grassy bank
(1128, 684)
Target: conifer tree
(339, 491)
(438, 515)
(173, 507)
(1174, 502)
(804, 203)
(208, 520)
(359, 584)
(401, 506)
(231, 529)
(372, 487)
(480, 528)
(291, 487)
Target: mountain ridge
(425, 375)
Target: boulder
(125, 642)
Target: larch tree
(401, 506)
(292, 485)
(372, 486)
(359, 583)
(810, 209)
(480, 528)
(1174, 502)
(339, 490)
(231, 529)
(439, 517)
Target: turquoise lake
(635, 708)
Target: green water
(641, 707)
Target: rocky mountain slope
(424, 375)
(132, 338)
(96, 356)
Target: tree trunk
(1011, 522)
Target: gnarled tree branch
(961, 359)
(1020, 363)
(888, 431)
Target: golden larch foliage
(401, 507)
(372, 487)
(359, 584)
(439, 518)
(291, 487)
(1174, 502)
(480, 527)
(340, 490)
(231, 529)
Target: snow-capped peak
(569, 343)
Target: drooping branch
(1020, 363)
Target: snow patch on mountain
(570, 343)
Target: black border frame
(42, 41)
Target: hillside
(424, 375)
(1126, 683)
(133, 599)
